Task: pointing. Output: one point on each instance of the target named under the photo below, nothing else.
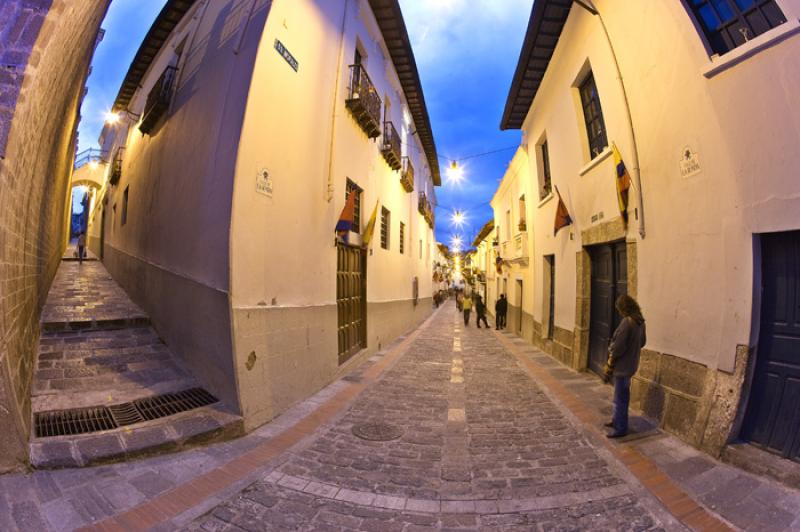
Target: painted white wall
(297, 126)
(696, 263)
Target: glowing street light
(458, 218)
(455, 173)
(93, 165)
(112, 118)
(456, 243)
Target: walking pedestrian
(480, 312)
(623, 360)
(500, 310)
(466, 304)
(81, 246)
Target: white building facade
(700, 102)
(245, 126)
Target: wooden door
(351, 296)
(519, 306)
(773, 412)
(609, 280)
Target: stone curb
(448, 506)
(95, 325)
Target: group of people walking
(465, 304)
(623, 351)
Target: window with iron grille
(593, 116)
(402, 238)
(731, 23)
(547, 184)
(385, 221)
(352, 188)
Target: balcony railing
(364, 102)
(519, 247)
(391, 146)
(116, 166)
(426, 209)
(90, 155)
(407, 176)
(158, 100)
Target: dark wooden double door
(609, 280)
(351, 300)
(773, 411)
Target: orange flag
(562, 215)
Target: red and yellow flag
(623, 183)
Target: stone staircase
(106, 387)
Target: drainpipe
(330, 187)
(590, 7)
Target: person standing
(623, 360)
(81, 246)
(480, 312)
(466, 304)
(500, 310)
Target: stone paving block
(150, 439)
(61, 515)
(27, 516)
(151, 483)
(53, 454)
(194, 429)
(326, 491)
(95, 448)
(423, 505)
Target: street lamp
(458, 218)
(455, 173)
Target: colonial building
(244, 129)
(693, 104)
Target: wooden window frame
(593, 116)
(350, 187)
(402, 238)
(734, 25)
(386, 222)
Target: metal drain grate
(173, 403)
(96, 419)
(77, 421)
(125, 414)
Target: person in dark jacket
(500, 310)
(623, 360)
(480, 311)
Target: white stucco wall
(695, 266)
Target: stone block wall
(45, 49)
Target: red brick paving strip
(184, 497)
(672, 496)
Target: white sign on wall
(690, 163)
(264, 182)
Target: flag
(346, 219)
(623, 183)
(370, 230)
(498, 262)
(562, 215)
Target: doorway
(519, 306)
(773, 412)
(609, 264)
(351, 300)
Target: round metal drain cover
(377, 431)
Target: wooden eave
(157, 35)
(544, 30)
(393, 28)
(484, 232)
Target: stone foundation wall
(700, 405)
(45, 49)
(558, 347)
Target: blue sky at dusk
(466, 51)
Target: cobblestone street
(483, 432)
(482, 446)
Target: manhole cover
(377, 431)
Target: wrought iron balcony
(391, 146)
(364, 102)
(116, 166)
(407, 175)
(158, 100)
(426, 209)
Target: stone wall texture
(45, 49)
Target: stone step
(165, 435)
(84, 368)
